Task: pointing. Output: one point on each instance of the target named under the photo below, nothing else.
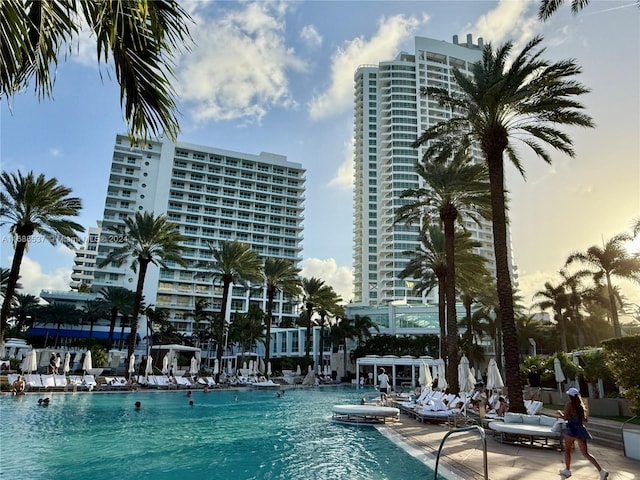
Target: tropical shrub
(622, 355)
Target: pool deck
(462, 454)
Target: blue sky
(278, 77)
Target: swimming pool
(236, 435)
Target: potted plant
(623, 357)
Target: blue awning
(70, 333)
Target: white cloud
(54, 152)
(238, 67)
(344, 176)
(34, 280)
(510, 20)
(310, 36)
(392, 32)
(334, 275)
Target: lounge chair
(184, 382)
(33, 381)
(60, 381)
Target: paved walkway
(462, 455)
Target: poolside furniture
(532, 430)
(364, 414)
(184, 382)
(60, 381)
(48, 382)
(116, 383)
(33, 381)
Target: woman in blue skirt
(575, 415)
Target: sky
(278, 77)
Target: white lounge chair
(33, 381)
(60, 381)
(48, 381)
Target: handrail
(624, 450)
(465, 429)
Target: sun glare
(633, 247)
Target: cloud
(54, 152)
(338, 277)
(338, 97)
(310, 36)
(344, 176)
(238, 66)
(506, 20)
(34, 280)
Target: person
(191, 403)
(58, 363)
(383, 380)
(434, 384)
(533, 380)
(43, 402)
(206, 389)
(503, 407)
(137, 405)
(17, 388)
(52, 364)
(189, 393)
(575, 414)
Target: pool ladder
(483, 437)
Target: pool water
(235, 435)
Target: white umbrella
(466, 381)
(494, 379)
(557, 370)
(268, 368)
(66, 366)
(165, 364)
(149, 369)
(132, 363)
(194, 366)
(442, 376)
(87, 364)
(216, 367)
(261, 365)
(244, 365)
(174, 365)
(298, 370)
(30, 362)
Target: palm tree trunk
(112, 324)
(226, 287)
(450, 287)
(267, 340)
(562, 324)
(12, 281)
(307, 347)
(442, 317)
(503, 278)
(617, 331)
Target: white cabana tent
(390, 363)
(158, 352)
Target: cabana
(392, 364)
(158, 353)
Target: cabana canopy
(391, 362)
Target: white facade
(84, 263)
(390, 113)
(212, 195)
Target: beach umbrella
(261, 365)
(132, 363)
(149, 368)
(298, 370)
(216, 367)
(165, 364)
(268, 368)
(66, 366)
(559, 374)
(428, 379)
(194, 366)
(442, 377)
(244, 365)
(466, 381)
(30, 362)
(174, 365)
(198, 357)
(494, 379)
(87, 363)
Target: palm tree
(93, 311)
(35, 205)
(248, 328)
(549, 7)
(329, 306)
(23, 309)
(156, 317)
(279, 275)
(525, 99)
(140, 38)
(555, 298)
(233, 262)
(612, 260)
(147, 239)
(453, 190)
(59, 314)
(4, 280)
(200, 315)
(119, 300)
(311, 291)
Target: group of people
(55, 361)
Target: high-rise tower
(390, 113)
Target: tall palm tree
(311, 291)
(120, 301)
(35, 206)
(453, 190)
(59, 314)
(140, 38)
(233, 262)
(525, 98)
(23, 309)
(329, 306)
(279, 275)
(4, 280)
(248, 328)
(610, 260)
(147, 240)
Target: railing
(465, 429)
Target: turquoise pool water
(233, 435)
